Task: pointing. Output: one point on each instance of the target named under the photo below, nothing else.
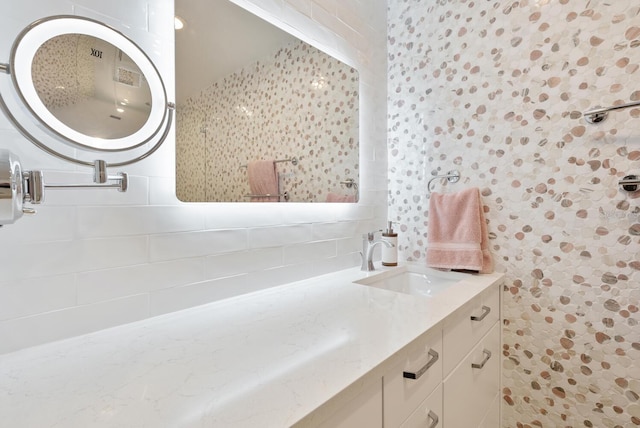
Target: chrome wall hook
(452, 176)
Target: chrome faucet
(368, 243)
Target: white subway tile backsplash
(240, 262)
(360, 212)
(282, 275)
(349, 245)
(302, 253)
(101, 285)
(242, 215)
(260, 237)
(24, 297)
(162, 191)
(160, 13)
(324, 13)
(50, 223)
(196, 244)
(299, 6)
(322, 212)
(328, 6)
(49, 326)
(31, 157)
(117, 13)
(174, 299)
(350, 14)
(92, 254)
(109, 221)
(162, 162)
(50, 258)
(44, 259)
(322, 266)
(333, 230)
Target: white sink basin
(415, 280)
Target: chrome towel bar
(284, 195)
(600, 114)
(293, 160)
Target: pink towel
(457, 232)
(263, 180)
(334, 197)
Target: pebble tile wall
(496, 90)
(299, 102)
(61, 79)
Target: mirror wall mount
(19, 187)
(106, 71)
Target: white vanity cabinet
(474, 385)
(471, 341)
(458, 389)
(466, 326)
(365, 410)
(429, 412)
(414, 376)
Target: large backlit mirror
(261, 116)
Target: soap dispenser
(390, 253)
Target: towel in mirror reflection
(335, 197)
(263, 180)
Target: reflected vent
(128, 77)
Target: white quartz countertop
(264, 359)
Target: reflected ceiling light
(178, 23)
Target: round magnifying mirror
(88, 83)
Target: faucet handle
(369, 236)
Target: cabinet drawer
(463, 329)
(429, 412)
(492, 417)
(469, 391)
(403, 394)
(365, 410)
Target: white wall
(94, 259)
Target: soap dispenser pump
(390, 253)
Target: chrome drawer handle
(485, 312)
(432, 416)
(487, 355)
(411, 375)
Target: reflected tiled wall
(60, 79)
(297, 102)
(496, 90)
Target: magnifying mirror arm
(18, 187)
(100, 177)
